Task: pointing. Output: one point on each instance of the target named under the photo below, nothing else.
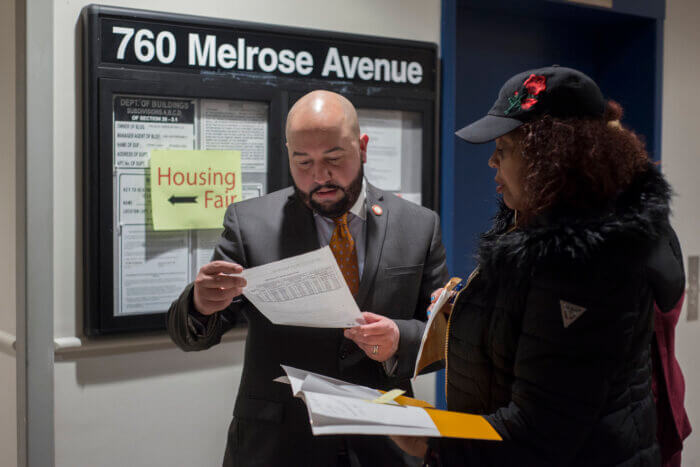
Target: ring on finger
(375, 349)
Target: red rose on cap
(527, 103)
(535, 84)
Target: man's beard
(341, 206)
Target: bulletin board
(159, 81)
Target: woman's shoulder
(580, 244)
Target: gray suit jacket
(404, 263)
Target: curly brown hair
(578, 163)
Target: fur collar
(637, 217)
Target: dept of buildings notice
(152, 267)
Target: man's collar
(359, 207)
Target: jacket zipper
(474, 273)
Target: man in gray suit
(397, 248)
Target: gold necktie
(343, 247)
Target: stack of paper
(338, 407)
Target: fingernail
(428, 313)
(432, 298)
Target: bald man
(396, 259)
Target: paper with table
(338, 407)
(305, 290)
(432, 345)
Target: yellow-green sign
(191, 189)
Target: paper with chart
(339, 407)
(305, 290)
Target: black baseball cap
(557, 91)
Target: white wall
(681, 163)
(137, 409)
(7, 167)
(159, 408)
(8, 376)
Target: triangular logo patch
(570, 312)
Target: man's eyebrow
(327, 151)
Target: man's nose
(322, 174)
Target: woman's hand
(415, 446)
(433, 298)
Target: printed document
(384, 128)
(338, 407)
(305, 290)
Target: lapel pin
(377, 210)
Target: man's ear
(364, 139)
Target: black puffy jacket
(551, 339)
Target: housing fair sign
(192, 189)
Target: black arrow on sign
(182, 199)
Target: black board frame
(103, 79)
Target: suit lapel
(376, 231)
(298, 229)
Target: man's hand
(216, 285)
(378, 337)
(416, 446)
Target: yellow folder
(455, 424)
(463, 425)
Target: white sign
(236, 125)
(153, 270)
(383, 167)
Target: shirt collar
(358, 208)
